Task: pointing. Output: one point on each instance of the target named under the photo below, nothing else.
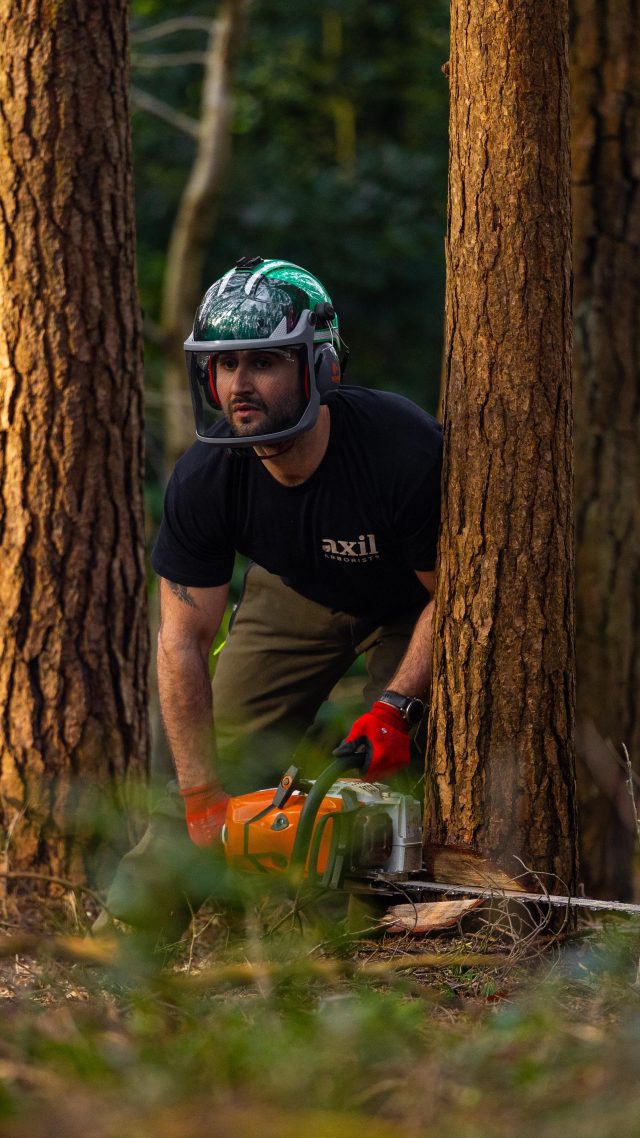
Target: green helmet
(272, 306)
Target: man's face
(260, 391)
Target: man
(333, 493)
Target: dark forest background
(338, 162)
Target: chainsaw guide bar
(411, 888)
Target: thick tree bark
(73, 626)
(501, 760)
(606, 200)
(195, 222)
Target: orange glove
(382, 735)
(205, 809)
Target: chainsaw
(346, 834)
(335, 831)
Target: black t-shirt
(350, 537)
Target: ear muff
(212, 383)
(327, 368)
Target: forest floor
(261, 1024)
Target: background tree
(73, 628)
(338, 136)
(194, 226)
(501, 727)
(606, 210)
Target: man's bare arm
(413, 675)
(189, 620)
(381, 736)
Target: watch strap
(409, 706)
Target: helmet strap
(278, 450)
(282, 448)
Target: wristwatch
(409, 706)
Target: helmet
(272, 306)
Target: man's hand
(382, 735)
(205, 809)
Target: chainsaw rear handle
(309, 811)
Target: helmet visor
(248, 393)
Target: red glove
(382, 735)
(205, 809)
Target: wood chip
(428, 916)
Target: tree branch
(145, 102)
(168, 27)
(169, 59)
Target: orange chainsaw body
(258, 837)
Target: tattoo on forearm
(182, 593)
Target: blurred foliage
(542, 1046)
(338, 162)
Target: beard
(281, 415)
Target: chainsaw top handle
(309, 811)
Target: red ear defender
(212, 383)
(327, 368)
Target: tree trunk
(194, 224)
(501, 750)
(73, 623)
(606, 165)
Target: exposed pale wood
(428, 916)
(459, 866)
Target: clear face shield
(253, 392)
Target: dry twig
(631, 776)
(630, 784)
(63, 882)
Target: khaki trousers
(283, 656)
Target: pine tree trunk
(73, 624)
(501, 750)
(606, 169)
